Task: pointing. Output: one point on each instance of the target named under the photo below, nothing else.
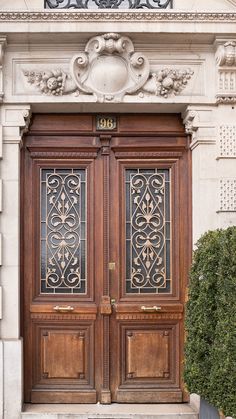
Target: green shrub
(210, 349)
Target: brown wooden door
(106, 243)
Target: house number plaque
(106, 123)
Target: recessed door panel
(147, 354)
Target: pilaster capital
(226, 70)
(15, 120)
(199, 123)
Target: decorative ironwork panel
(148, 231)
(63, 231)
(108, 4)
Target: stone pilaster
(14, 122)
(213, 145)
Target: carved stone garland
(109, 69)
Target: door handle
(63, 309)
(151, 309)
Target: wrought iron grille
(108, 4)
(63, 231)
(148, 231)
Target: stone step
(113, 411)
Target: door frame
(167, 152)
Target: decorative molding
(52, 82)
(199, 124)
(225, 100)
(3, 43)
(146, 154)
(227, 195)
(226, 66)
(52, 316)
(109, 68)
(64, 154)
(140, 316)
(189, 122)
(15, 121)
(226, 54)
(227, 141)
(167, 82)
(134, 16)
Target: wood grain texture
(103, 352)
(63, 354)
(147, 354)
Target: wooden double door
(106, 244)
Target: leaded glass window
(148, 231)
(63, 231)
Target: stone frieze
(110, 68)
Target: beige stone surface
(1, 379)
(12, 387)
(10, 322)
(116, 411)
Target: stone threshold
(113, 411)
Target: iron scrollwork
(108, 4)
(147, 231)
(63, 237)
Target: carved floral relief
(109, 68)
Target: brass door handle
(153, 308)
(63, 309)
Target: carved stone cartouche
(109, 68)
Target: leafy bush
(210, 349)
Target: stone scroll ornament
(109, 69)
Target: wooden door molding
(147, 329)
(81, 347)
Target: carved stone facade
(108, 69)
(226, 63)
(155, 62)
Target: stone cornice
(131, 16)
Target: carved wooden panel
(147, 353)
(63, 354)
(66, 351)
(150, 354)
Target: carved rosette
(109, 68)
